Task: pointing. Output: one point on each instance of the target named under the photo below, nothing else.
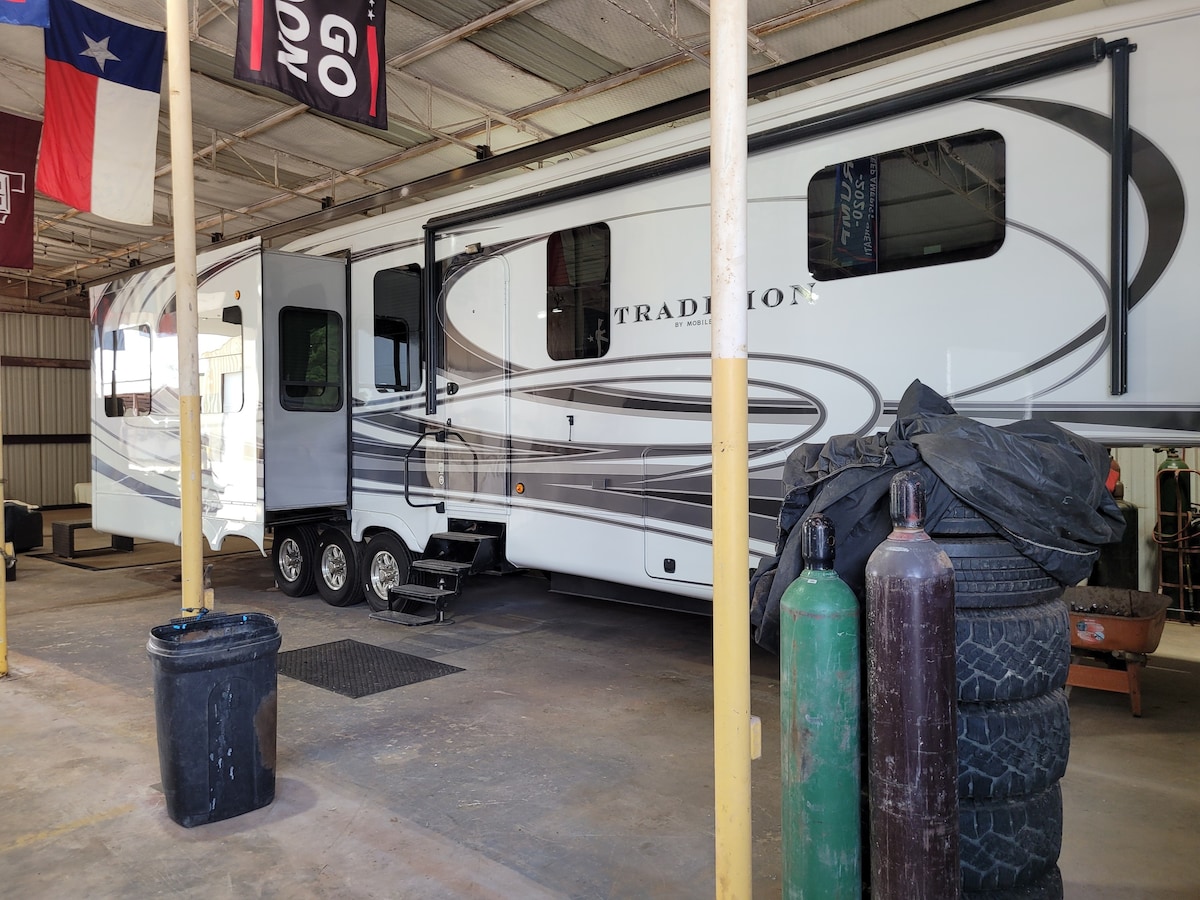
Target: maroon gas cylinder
(912, 753)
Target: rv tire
(1014, 748)
(1047, 887)
(385, 565)
(337, 569)
(1012, 653)
(293, 558)
(960, 519)
(989, 572)
(1009, 842)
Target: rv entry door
(473, 388)
(305, 408)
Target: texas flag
(102, 99)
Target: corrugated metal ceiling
(462, 74)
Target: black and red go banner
(327, 54)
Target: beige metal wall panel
(49, 337)
(45, 474)
(18, 334)
(23, 474)
(63, 338)
(64, 401)
(44, 400)
(22, 400)
(66, 466)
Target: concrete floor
(571, 758)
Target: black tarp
(1039, 486)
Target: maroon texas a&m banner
(18, 158)
(327, 54)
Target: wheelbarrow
(1113, 633)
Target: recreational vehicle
(518, 374)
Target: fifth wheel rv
(518, 374)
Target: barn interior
(547, 745)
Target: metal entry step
(399, 618)
(438, 576)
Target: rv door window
(310, 359)
(125, 366)
(398, 329)
(938, 202)
(578, 266)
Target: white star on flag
(98, 50)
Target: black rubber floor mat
(355, 669)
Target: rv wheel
(384, 566)
(293, 554)
(337, 568)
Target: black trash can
(215, 703)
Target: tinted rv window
(398, 329)
(577, 292)
(310, 359)
(937, 202)
(125, 364)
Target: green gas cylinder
(819, 726)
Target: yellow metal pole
(183, 199)
(731, 505)
(3, 545)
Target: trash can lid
(212, 632)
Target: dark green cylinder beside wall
(819, 726)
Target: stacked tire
(1013, 654)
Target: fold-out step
(400, 618)
(437, 577)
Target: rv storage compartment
(215, 702)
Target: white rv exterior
(533, 355)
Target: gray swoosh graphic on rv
(1160, 187)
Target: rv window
(164, 365)
(221, 363)
(937, 202)
(219, 340)
(578, 268)
(310, 359)
(125, 364)
(398, 329)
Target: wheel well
(371, 531)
